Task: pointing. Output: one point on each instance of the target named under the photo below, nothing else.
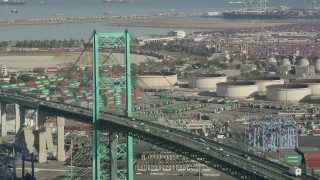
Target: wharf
(95, 19)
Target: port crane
(259, 6)
(313, 6)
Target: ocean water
(81, 8)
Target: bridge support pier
(3, 113)
(17, 118)
(60, 130)
(45, 138)
(39, 119)
(113, 138)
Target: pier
(94, 19)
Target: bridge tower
(111, 41)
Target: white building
(248, 67)
(177, 33)
(3, 70)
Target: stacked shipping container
(311, 157)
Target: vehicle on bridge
(294, 171)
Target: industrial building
(237, 89)
(206, 81)
(313, 83)
(288, 92)
(3, 70)
(263, 82)
(155, 80)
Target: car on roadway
(245, 156)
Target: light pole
(71, 146)
(199, 171)
(192, 81)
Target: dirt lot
(30, 60)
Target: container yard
(278, 138)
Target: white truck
(294, 171)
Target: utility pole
(71, 149)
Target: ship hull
(116, 1)
(12, 3)
(252, 16)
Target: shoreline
(196, 25)
(99, 19)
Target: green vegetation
(4, 44)
(48, 43)
(171, 47)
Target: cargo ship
(13, 2)
(248, 15)
(254, 9)
(118, 1)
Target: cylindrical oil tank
(313, 83)
(237, 89)
(263, 82)
(155, 80)
(205, 81)
(288, 92)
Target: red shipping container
(317, 164)
(311, 155)
(79, 93)
(312, 159)
(30, 84)
(63, 88)
(64, 83)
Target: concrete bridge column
(45, 136)
(60, 130)
(40, 118)
(17, 118)
(22, 116)
(113, 142)
(45, 141)
(3, 113)
(42, 146)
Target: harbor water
(89, 8)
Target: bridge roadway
(203, 150)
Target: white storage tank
(263, 82)
(288, 92)
(205, 81)
(237, 89)
(313, 83)
(155, 80)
